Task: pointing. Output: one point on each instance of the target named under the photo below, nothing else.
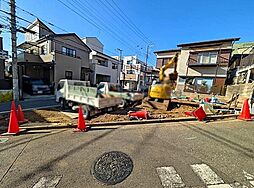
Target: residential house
(133, 73)
(203, 66)
(51, 57)
(240, 63)
(104, 67)
(4, 83)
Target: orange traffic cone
(13, 124)
(245, 113)
(81, 121)
(20, 116)
(143, 114)
(13, 107)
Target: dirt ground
(55, 116)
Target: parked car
(35, 86)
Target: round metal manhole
(112, 167)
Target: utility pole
(147, 52)
(14, 51)
(120, 59)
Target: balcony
(29, 57)
(211, 61)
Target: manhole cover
(112, 167)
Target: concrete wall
(245, 90)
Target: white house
(133, 73)
(104, 68)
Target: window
(129, 62)
(103, 63)
(130, 71)
(43, 50)
(68, 75)
(68, 51)
(181, 80)
(114, 66)
(201, 85)
(207, 57)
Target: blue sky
(163, 23)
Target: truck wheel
(123, 104)
(62, 103)
(86, 112)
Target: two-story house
(202, 66)
(51, 57)
(104, 68)
(133, 73)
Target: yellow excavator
(162, 90)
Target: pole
(147, 51)
(14, 51)
(120, 59)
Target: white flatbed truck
(74, 93)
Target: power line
(108, 30)
(33, 15)
(90, 10)
(124, 20)
(121, 12)
(42, 28)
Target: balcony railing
(247, 61)
(193, 61)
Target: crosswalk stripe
(49, 182)
(208, 176)
(169, 177)
(219, 186)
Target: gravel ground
(55, 116)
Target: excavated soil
(55, 116)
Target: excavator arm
(167, 83)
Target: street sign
(4, 54)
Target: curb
(118, 123)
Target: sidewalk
(33, 103)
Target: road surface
(185, 154)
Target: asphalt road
(35, 103)
(189, 154)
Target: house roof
(106, 55)
(65, 35)
(208, 42)
(169, 50)
(243, 48)
(38, 21)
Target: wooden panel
(159, 63)
(218, 86)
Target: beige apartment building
(202, 66)
(51, 57)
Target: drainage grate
(112, 167)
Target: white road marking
(252, 182)
(248, 176)
(169, 177)
(219, 186)
(49, 182)
(208, 176)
